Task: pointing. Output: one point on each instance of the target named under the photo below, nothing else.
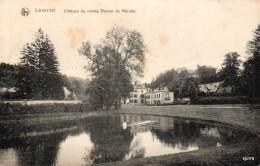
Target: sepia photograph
(129, 82)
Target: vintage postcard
(129, 82)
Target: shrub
(20, 109)
(222, 100)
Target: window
(135, 95)
(167, 97)
(135, 100)
(131, 96)
(142, 91)
(131, 100)
(142, 96)
(159, 95)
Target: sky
(177, 33)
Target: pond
(109, 138)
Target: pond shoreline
(230, 115)
(241, 116)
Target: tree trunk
(116, 105)
(119, 103)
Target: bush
(222, 100)
(20, 109)
(201, 94)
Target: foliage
(20, 109)
(76, 85)
(168, 78)
(189, 88)
(39, 76)
(113, 62)
(250, 76)
(207, 74)
(230, 70)
(8, 74)
(222, 100)
(179, 81)
(8, 79)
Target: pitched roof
(164, 89)
(210, 88)
(139, 86)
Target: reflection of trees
(35, 150)
(183, 133)
(41, 150)
(111, 142)
(187, 134)
(136, 151)
(231, 136)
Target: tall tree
(206, 74)
(180, 81)
(188, 88)
(251, 72)
(114, 61)
(39, 59)
(230, 70)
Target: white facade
(147, 96)
(138, 95)
(159, 96)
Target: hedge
(222, 100)
(20, 109)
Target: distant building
(7, 90)
(147, 96)
(137, 96)
(68, 95)
(216, 87)
(159, 96)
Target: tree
(8, 74)
(251, 71)
(230, 70)
(207, 74)
(113, 63)
(8, 79)
(180, 81)
(39, 74)
(189, 88)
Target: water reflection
(109, 138)
(76, 147)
